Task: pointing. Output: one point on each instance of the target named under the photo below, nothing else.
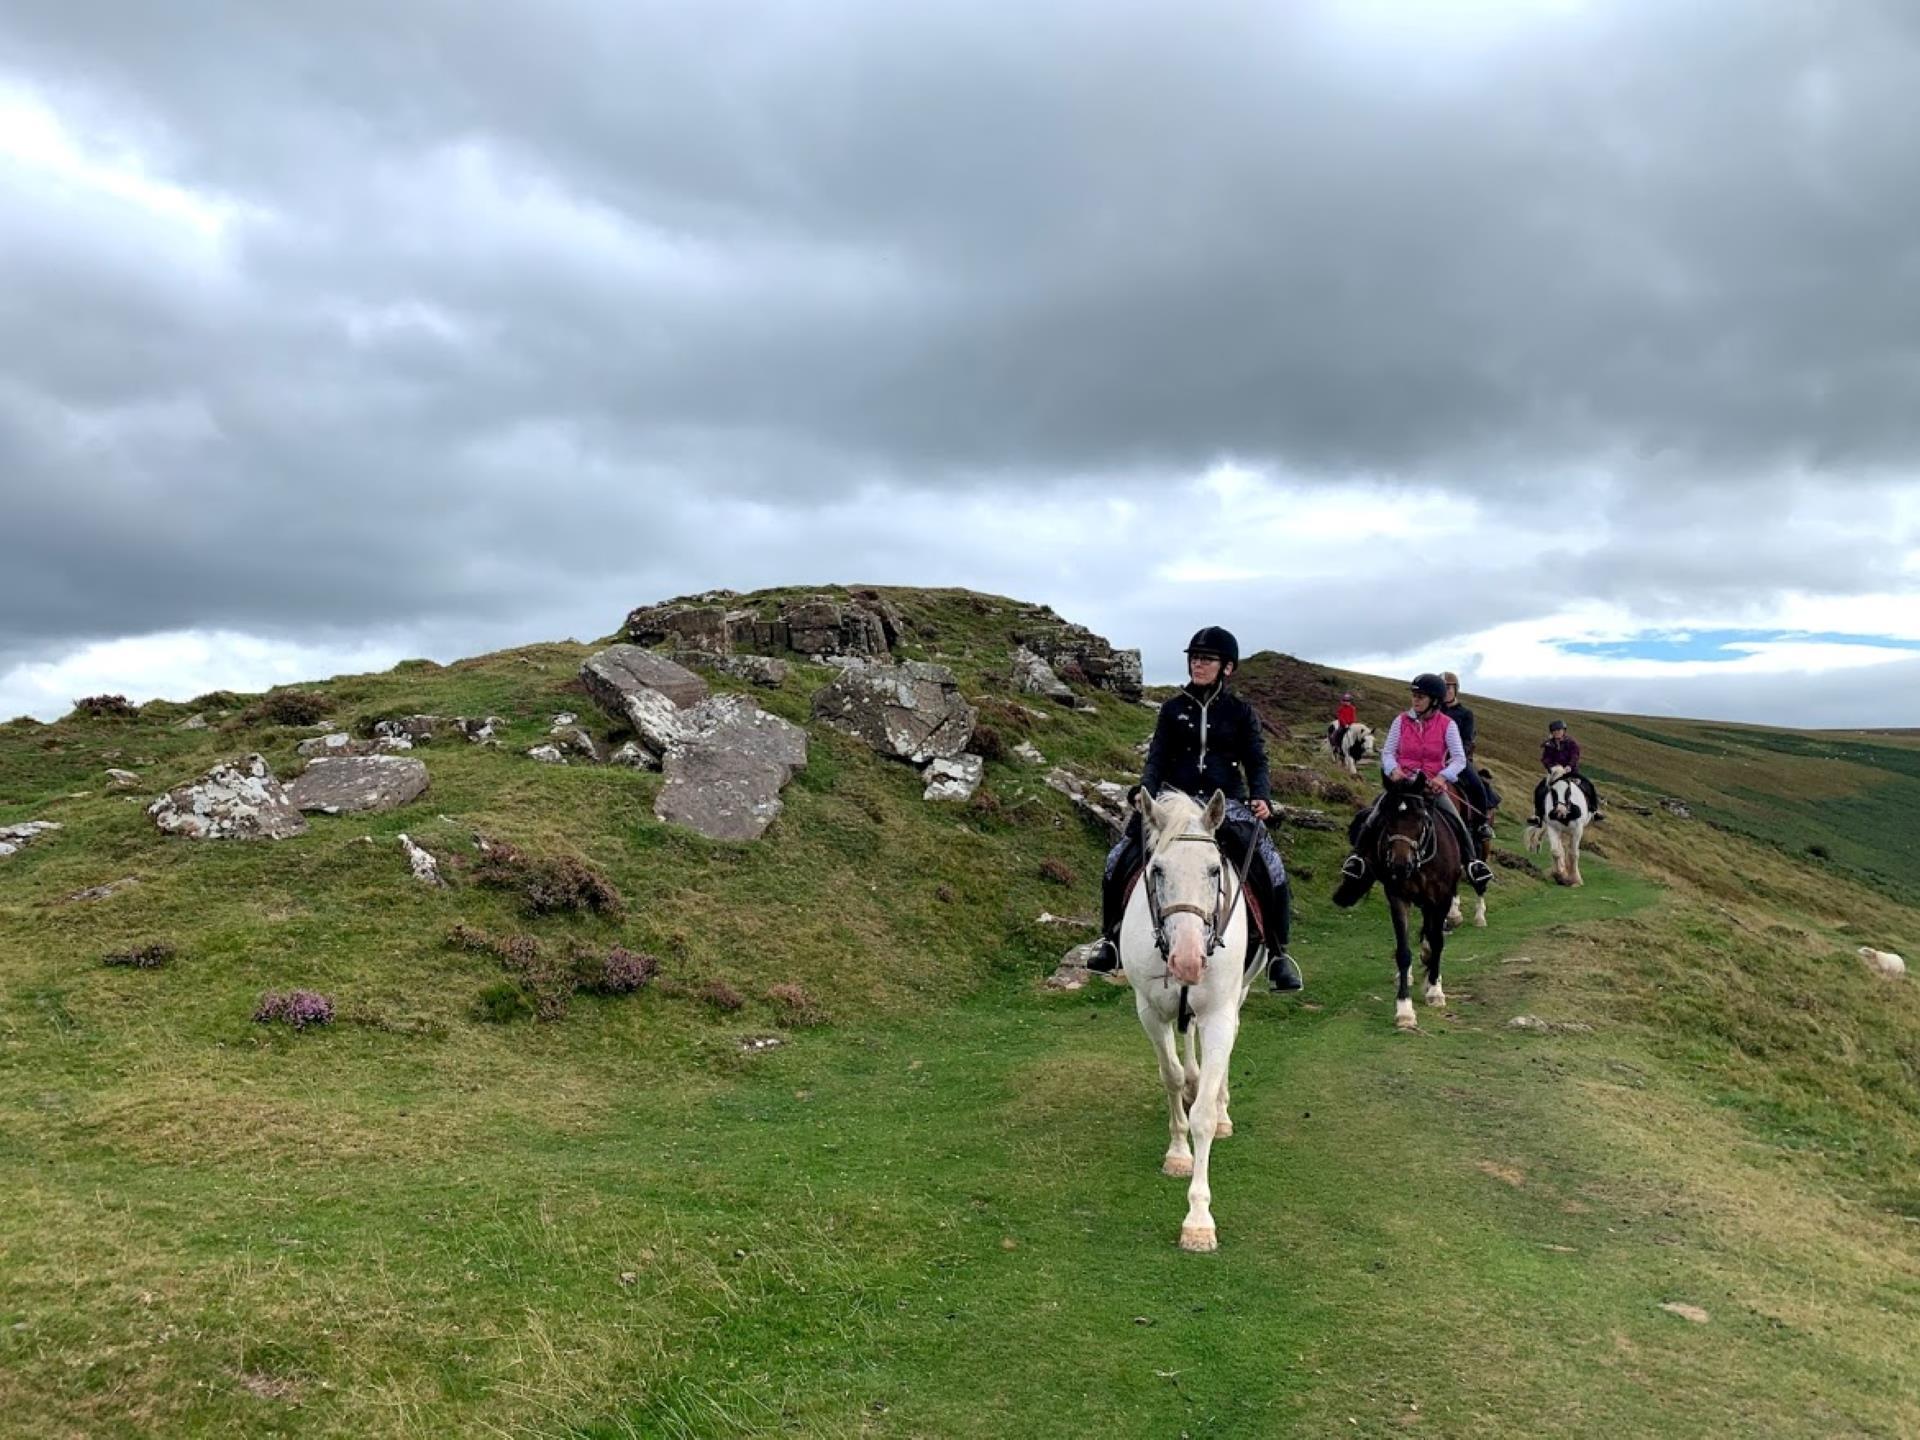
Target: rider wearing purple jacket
(1561, 749)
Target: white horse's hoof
(1199, 1238)
(1223, 1129)
(1181, 1165)
(1435, 995)
(1403, 1016)
(1480, 919)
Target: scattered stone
(1027, 753)
(1883, 962)
(1549, 1027)
(1076, 922)
(414, 729)
(1685, 1312)
(565, 720)
(193, 722)
(547, 755)
(425, 868)
(1675, 806)
(954, 778)
(232, 801)
(579, 743)
(635, 756)
(758, 669)
(17, 837)
(1072, 972)
(911, 712)
(339, 743)
(725, 770)
(753, 1044)
(151, 956)
(122, 780)
(479, 730)
(357, 784)
(1101, 801)
(1034, 676)
(102, 892)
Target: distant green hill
(932, 1208)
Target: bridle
(1214, 921)
(1423, 844)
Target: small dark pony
(1417, 857)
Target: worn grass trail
(954, 1225)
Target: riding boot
(1277, 907)
(1113, 897)
(1356, 876)
(1479, 875)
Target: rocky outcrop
(1104, 802)
(1076, 652)
(338, 743)
(358, 784)
(1034, 676)
(866, 623)
(758, 669)
(725, 771)
(955, 778)
(14, 838)
(911, 712)
(822, 625)
(233, 801)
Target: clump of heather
(1059, 872)
(468, 937)
(547, 884)
(106, 707)
(721, 995)
(142, 957)
(620, 972)
(298, 1008)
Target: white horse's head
(1566, 801)
(1187, 878)
(1360, 740)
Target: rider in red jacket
(1346, 714)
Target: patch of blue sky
(1721, 644)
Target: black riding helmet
(1431, 686)
(1556, 725)
(1215, 641)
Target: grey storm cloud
(510, 301)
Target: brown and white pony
(1417, 859)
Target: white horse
(1351, 748)
(1183, 943)
(1566, 821)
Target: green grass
(940, 1214)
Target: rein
(1216, 920)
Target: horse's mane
(1180, 810)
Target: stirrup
(1479, 874)
(1353, 868)
(1106, 959)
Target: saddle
(1256, 922)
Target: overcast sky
(1574, 346)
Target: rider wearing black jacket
(1206, 739)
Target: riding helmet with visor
(1431, 686)
(1216, 642)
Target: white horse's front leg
(1454, 918)
(1216, 1049)
(1480, 911)
(1573, 857)
(1179, 1158)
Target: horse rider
(1423, 745)
(1561, 749)
(1345, 717)
(1206, 739)
(1471, 783)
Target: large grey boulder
(233, 801)
(1076, 652)
(645, 690)
(356, 784)
(1104, 802)
(1034, 676)
(912, 712)
(822, 625)
(725, 771)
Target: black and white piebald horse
(1350, 744)
(1565, 821)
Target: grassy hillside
(938, 1213)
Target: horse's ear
(1216, 810)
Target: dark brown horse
(1417, 857)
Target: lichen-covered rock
(760, 669)
(1026, 751)
(358, 784)
(1034, 676)
(580, 745)
(414, 729)
(821, 625)
(1102, 801)
(635, 756)
(725, 772)
(954, 778)
(912, 712)
(687, 627)
(643, 690)
(547, 755)
(479, 729)
(232, 801)
(425, 868)
(122, 779)
(14, 838)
